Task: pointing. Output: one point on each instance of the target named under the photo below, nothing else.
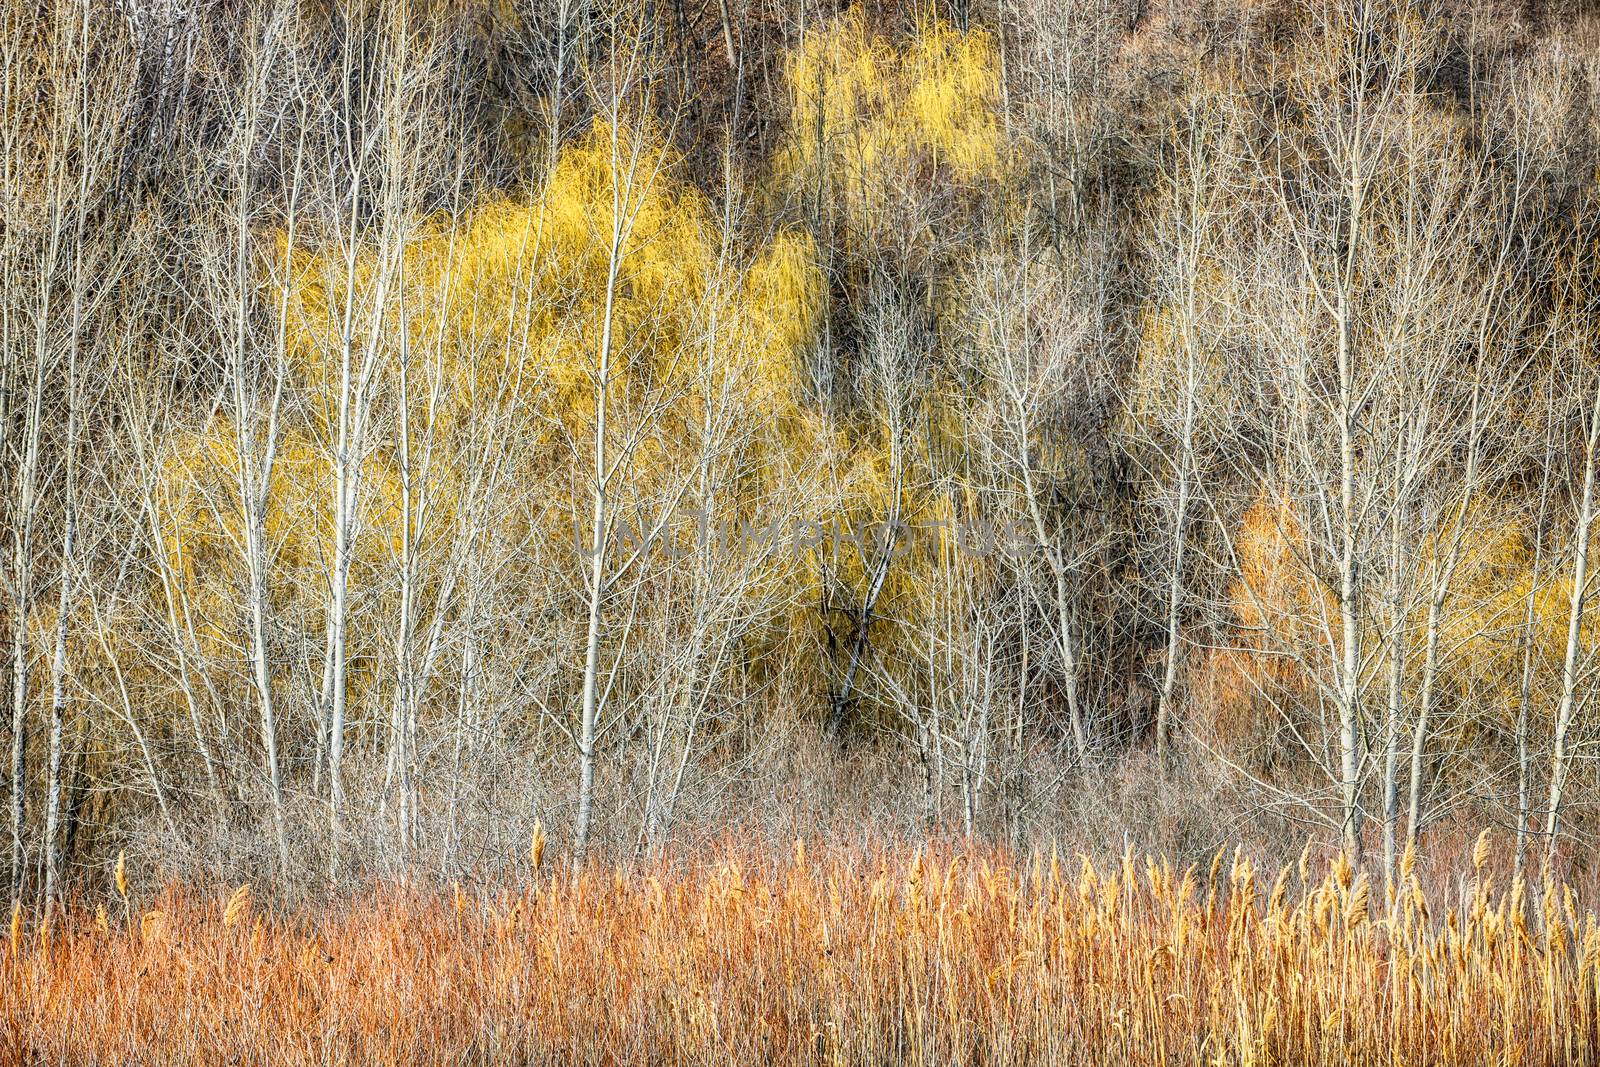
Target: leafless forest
(1122, 424)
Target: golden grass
(935, 956)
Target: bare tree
(624, 422)
(65, 138)
(1323, 174)
(1178, 386)
(257, 375)
(377, 110)
(1038, 356)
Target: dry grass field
(928, 956)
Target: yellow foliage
(1490, 603)
(1160, 376)
(511, 304)
(513, 300)
(866, 112)
(500, 313)
(513, 297)
(202, 523)
(503, 312)
(780, 305)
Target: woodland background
(422, 420)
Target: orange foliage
(1271, 601)
(1272, 589)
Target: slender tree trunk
(256, 460)
(599, 536)
(1393, 713)
(400, 713)
(1524, 704)
(860, 636)
(58, 663)
(1180, 520)
(1530, 620)
(465, 698)
(339, 695)
(22, 573)
(727, 34)
(355, 401)
(1349, 605)
(1419, 736)
(22, 578)
(261, 671)
(1567, 709)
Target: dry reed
(932, 956)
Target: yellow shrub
(866, 112)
